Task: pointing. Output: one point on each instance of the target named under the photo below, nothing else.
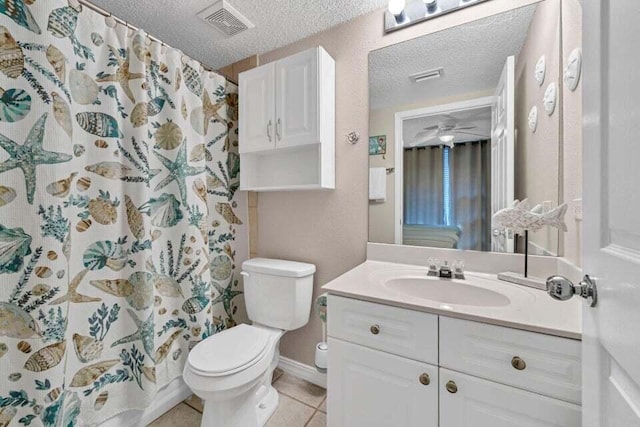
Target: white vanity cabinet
(286, 126)
(391, 366)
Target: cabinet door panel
(257, 109)
(370, 388)
(482, 403)
(297, 99)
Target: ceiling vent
(225, 18)
(427, 75)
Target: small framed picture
(377, 145)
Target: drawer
(541, 363)
(407, 333)
(473, 402)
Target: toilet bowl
(231, 371)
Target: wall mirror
(462, 122)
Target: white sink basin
(447, 291)
(477, 290)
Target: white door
(503, 152)
(257, 109)
(611, 330)
(297, 99)
(370, 388)
(467, 401)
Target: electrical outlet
(577, 209)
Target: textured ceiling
(472, 56)
(277, 23)
(480, 118)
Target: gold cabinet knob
(424, 379)
(452, 387)
(518, 363)
(375, 329)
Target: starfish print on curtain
(30, 155)
(179, 169)
(122, 75)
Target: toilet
(231, 371)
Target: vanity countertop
(530, 309)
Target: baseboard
(302, 371)
(168, 397)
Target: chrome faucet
(444, 271)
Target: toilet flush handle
(244, 273)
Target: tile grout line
(323, 401)
(189, 406)
(311, 417)
(300, 401)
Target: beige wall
(382, 122)
(330, 228)
(552, 141)
(572, 134)
(538, 154)
(231, 71)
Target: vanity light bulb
(431, 5)
(396, 7)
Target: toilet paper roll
(322, 353)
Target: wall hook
(353, 137)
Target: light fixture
(403, 13)
(431, 5)
(396, 8)
(446, 138)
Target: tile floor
(302, 404)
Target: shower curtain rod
(106, 13)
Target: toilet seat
(229, 351)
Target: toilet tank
(277, 292)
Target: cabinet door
(480, 403)
(257, 109)
(370, 388)
(297, 99)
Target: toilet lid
(229, 351)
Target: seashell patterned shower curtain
(120, 226)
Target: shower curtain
(423, 178)
(119, 217)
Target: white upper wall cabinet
(287, 124)
(297, 99)
(257, 93)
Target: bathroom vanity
(406, 349)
